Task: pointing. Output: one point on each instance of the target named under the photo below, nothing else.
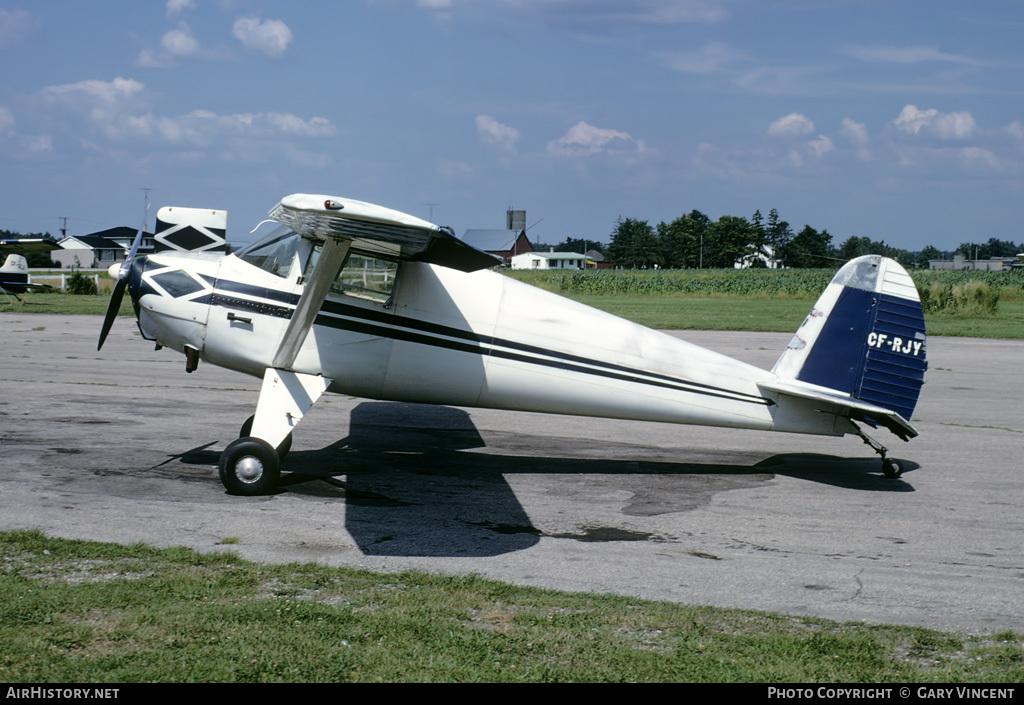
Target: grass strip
(77, 611)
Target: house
(99, 250)
(549, 260)
(764, 256)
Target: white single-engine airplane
(14, 273)
(349, 297)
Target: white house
(549, 260)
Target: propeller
(121, 283)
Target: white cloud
(711, 58)
(1015, 130)
(906, 55)
(856, 132)
(493, 132)
(175, 7)
(15, 25)
(180, 42)
(116, 109)
(6, 119)
(944, 126)
(821, 145)
(792, 125)
(271, 37)
(36, 143)
(583, 140)
(96, 92)
(205, 127)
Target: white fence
(60, 281)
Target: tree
(993, 248)
(926, 255)
(777, 234)
(808, 248)
(633, 245)
(575, 244)
(681, 241)
(730, 240)
(857, 246)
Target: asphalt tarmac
(122, 446)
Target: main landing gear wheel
(249, 466)
(891, 468)
(282, 450)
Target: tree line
(694, 241)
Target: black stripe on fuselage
(565, 361)
(388, 325)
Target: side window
(367, 277)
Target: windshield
(274, 253)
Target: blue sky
(898, 121)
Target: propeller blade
(114, 305)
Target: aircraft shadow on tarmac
(413, 485)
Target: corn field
(800, 283)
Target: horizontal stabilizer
(836, 404)
(375, 229)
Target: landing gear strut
(890, 468)
(251, 465)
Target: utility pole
(64, 227)
(145, 216)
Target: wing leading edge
(376, 229)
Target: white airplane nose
(114, 270)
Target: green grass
(677, 312)
(75, 612)
(59, 303)
(667, 311)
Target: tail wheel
(282, 450)
(891, 468)
(249, 466)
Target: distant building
(595, 260)
(501, 243)
(505, 243)
(764, 257)
(549, 260)
(99, 250)
(959, 262)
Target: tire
(282, 450)
(891, 469)
(249, 467)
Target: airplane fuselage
(447, 337)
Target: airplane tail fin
(865, 340)
(15, 264)
(190, 230)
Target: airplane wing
(376, 229)
(342, 224)
(27, 245)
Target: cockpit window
(275, 253)
(367, 277)
(362, 275)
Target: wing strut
(319, 285)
